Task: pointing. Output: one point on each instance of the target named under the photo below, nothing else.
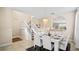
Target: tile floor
(18, 46)
(73, 47)
(24, 44)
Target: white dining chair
(37, 37)
(56, 40)
(47, 43)
(37, 40)
(64, 42)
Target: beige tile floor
(24, 44)
(18, 46)
(73, 48)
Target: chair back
(46, 42)
(37, 37)
(64, 42)
(37, 40)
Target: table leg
(56, 46)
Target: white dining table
(55, 39)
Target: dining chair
(47, 43)
(37, 38)
(37, 41)
(56, 40)
(64, 42)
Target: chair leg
(68, 47)
(41, 48)
(37, 48)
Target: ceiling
(40, 12)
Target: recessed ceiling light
(32, 16)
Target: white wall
(70, 17)
(17, 23)
(76, 38)
(5, 27)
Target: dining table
(54, 38)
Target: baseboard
(16, 36)
(6, 44)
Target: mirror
(59, 23)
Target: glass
(59, 23)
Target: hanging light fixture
(45, 21)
